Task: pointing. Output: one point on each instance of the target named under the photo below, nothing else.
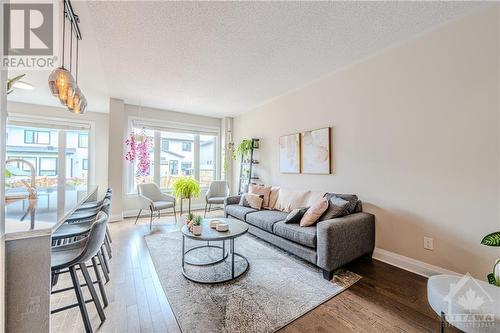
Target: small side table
(464, 302)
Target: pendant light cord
(64, 34)
(76, 61)
(71, 49)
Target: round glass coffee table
(209, 235)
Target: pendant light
(61, 82)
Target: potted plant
(186, 188)
(493, 239)
(243, 148)
(196, 228)
(189, 220)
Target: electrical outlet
(428, 243)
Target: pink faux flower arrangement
(139, 149)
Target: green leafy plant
(190, 217)
(243, 148)
(8, 174)
(493, 239)
(197, 220)
(186, 188)
(10, 83)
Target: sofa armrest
(344, 239)
(231, 200)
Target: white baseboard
(410, 264)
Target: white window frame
(171, 126)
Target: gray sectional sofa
(329, 244)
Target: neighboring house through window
(83, 140)
(47, 166)
(85, 164)
(186, 146)
(174, 167)
(37, 137)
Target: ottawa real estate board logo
(30, 35)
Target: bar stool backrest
(95, 238)
(106, 205)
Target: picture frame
(289, 153)
(316, 151)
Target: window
(186, 146)
(187, 168)
(174, 167)
(37, 137)
(207, 157)
(83, 140)
(164, 144)
(40, 147)
(77, 154)
(181, 154)
(144, 176)
(173, 156)
(47, 166)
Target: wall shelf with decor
(246, 150)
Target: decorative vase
(196, 230)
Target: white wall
(415, 135)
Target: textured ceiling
(224, 58)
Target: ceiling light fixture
(61, 82)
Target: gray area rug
(277, 289)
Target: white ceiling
(224, 58)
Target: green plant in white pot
(186, 188)
(493, 239)
(197, 227)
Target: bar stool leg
(103, 266)
(80, 299)
(103, 255)
(90, 285)
(108, 233)
(99, 282)
(108, 246)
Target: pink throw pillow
(314, 213)
(265, 191)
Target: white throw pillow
(288, 199)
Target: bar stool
(94, 204)
(69, 232)
(67, 258)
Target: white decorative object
(289, 146)
(196, 230)
(214, 223)
(315, 151)
(222, 227)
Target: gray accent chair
(154, 200)
(329, 244)
(216, 194)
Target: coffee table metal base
(234, 275)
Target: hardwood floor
(386, 299)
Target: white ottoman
(464, 302)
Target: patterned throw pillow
(337, 207)
(252, 200)
(314, 212)
(296, 215)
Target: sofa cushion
(337, 207)
(261, 190)
(289, 199)
(352, 198)
(314, 212)
(239, 211)
(265, 219)
(296, 215)
(273, 197)
(302, 235)
(252, 200)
